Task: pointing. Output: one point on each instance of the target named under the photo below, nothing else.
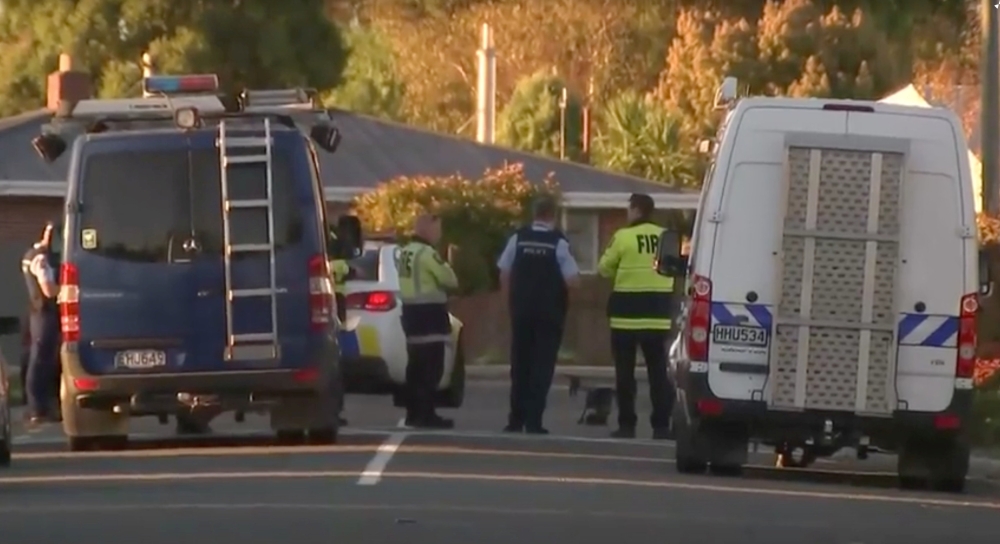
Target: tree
(477, 215)
(639, 136)
(533, 120)
(253, 43)
(370, 85)
(612, 45)
(793, 49)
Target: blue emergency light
(186, 84)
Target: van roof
(819, 103)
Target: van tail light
(321, 298)
(373, 301)
(69, 302)
(965, 366)
(699, 318)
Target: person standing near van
(43, 322)
(536, 272)
(424, 282)
(639, 311)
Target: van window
(133, 204)
(246, 182)
(136, 205)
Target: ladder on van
(243, 151)
(834, 335)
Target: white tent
(909, 96)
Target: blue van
(194, 268)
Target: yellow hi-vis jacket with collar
(424, 282)
(641, 298)
(339, 269)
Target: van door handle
(191, 245)
(204, 293)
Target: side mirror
(985, 277)
(348, 237)
(326, 136)
(9, 325)
(49, 146)
(669, 261)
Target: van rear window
(144, 206)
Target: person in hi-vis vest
(639, 311)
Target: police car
(834, 277)
(372, 343)
(8, 326)
(194, 271)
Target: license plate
(140, 359)
(739, 335)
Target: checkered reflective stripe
(928, 330)
(753, 315)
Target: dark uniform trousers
(624, 346)
(43, 325)
(426, 358)
(535, 344)
(538, 304)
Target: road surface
(384, 484)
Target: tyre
(97, 443)
(454, 396)
(322, 437)
(290, 438)
(686, 457)
(87, 429)
(940, 464)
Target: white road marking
(373, 472)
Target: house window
(581, 227)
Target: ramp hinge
(966, 232)
(716, 217)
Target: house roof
(372, 151)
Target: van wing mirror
(669, 261)
(9, 325)
(985, 277)
(326, 136)
(348, 237)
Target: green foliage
(253, 43)
(371, 85)
(477, 215)
(640, 136)
(534, 121)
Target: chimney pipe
(148, 70)
(65, 63)
(486, 88)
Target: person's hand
(451, 252)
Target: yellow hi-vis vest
(339, 269)
(641, 299)
(424, 281)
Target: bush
(477, 215)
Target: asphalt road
(386, 484)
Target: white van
(833, 290)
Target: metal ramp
(244, 152)
(834, 333)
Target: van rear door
(295, 243)
(130, 234)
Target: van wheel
(290, 438)
(686, 456)
(98, 443)
(454, 396)
(939, 464)
(322, 437)
(5, 453)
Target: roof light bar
(185, 84)
(137, 107)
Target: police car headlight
(186, 117)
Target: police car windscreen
(147, 206)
